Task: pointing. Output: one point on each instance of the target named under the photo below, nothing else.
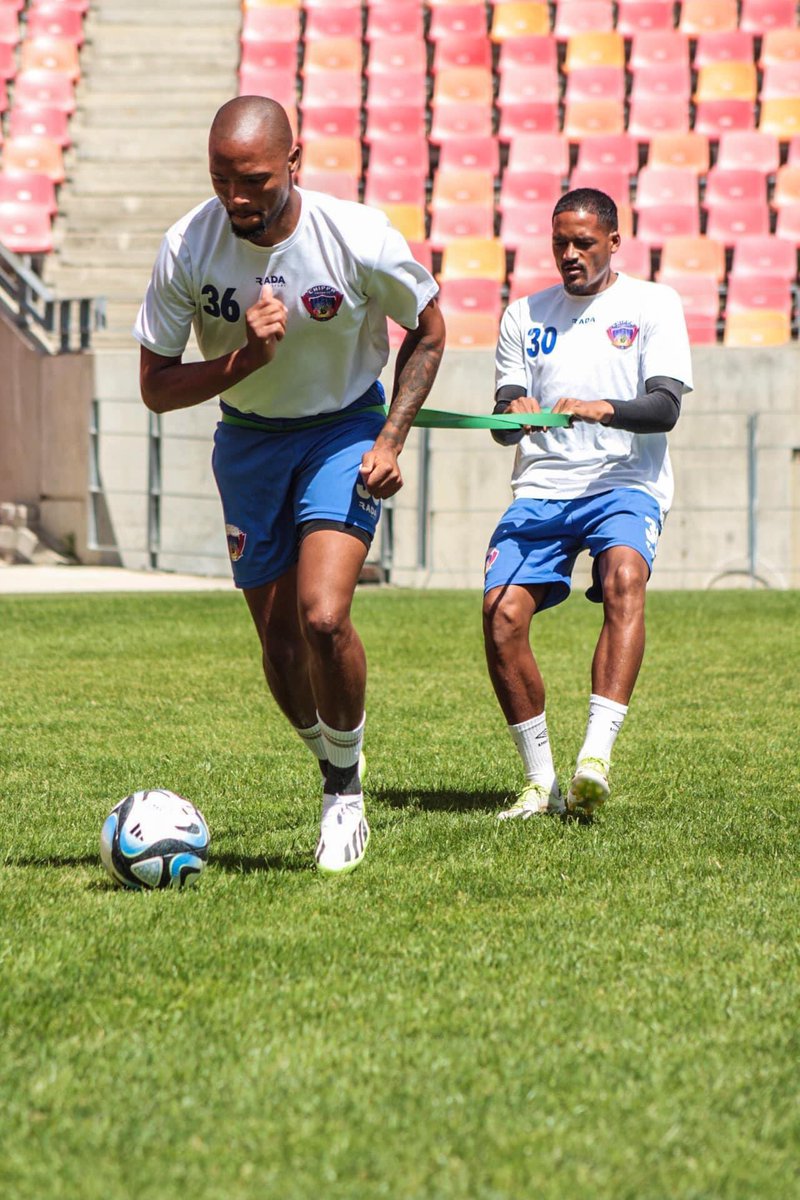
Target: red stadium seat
(716, 117)
(729, 221)
(8, 62)
(44, 87)
(471, 295)
(55, 22)
(25, 229)
(400, 188)
(668, 80)
(36, 191)
(644, 16)
(616, 150)
(731, 45)
(658, 50)
(394, 121)
(651, 115)
(461, 120)
(523, 85)
(460, 221)
(700, 299)
(392, 21)
(333, 121)
(747, 292)
(10, 32)
(407, 154)
(36, 155)
(595, 83)
(478, 153)
(527, 117)
(462, 50)
(422, 253)
(655, 225)
(50, 54)
(39, 121)
(397, 55)
(519, 189)
(764, 257)
(725, 186)
(450, 20)
(614, 181)
(527, 52)
(323, 23)
(526, 283)
(760, 16)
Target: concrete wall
(45, 404)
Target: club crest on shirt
(236, 540)
(622, 334)
(322, 302)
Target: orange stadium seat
(472, 331)
(50, 54)
(333, 154)
(589, 118)
(483, 257)
(780, 45)
(408, 219)
(481, 153)
(333, 54)
(746, 293)
(462, 187)
(471, 295)
(764, 257)
(519, 18)
(658, 50)
(787, 224)
(729, 45)
(787, 187)
(609, 151)
(547, 153)
(25, 187)
(40, 121)
(715, 117)
(391, 21)
(633, 257)
(462, 50)
(749, 149)
(463, 85)
(456, 222)
(781, 117)
(457, 20)
(759, 16)
(691, 151)
(582, 16)
(727, 81)
(729, 221)
(644, 16)
(39, 155)
(704, 16)
(55, 22)
(692, 256)
(518, 189)
(25, 229)
(595, 50)
(333, 183)
(756, 328)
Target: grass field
(482, 1011)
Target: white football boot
(589, 787)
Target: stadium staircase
(152, 77)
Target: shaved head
(253, 118)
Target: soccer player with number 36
(288, 292)
(612, 353)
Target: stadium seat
(615, 150)
(729, 221)
(793, 151)
(333, 154)
(464, 20)
(780, 81)
(656, 186)
(10, 33)
(385, 121)
(422, 253)
(715, 117)
(759, 16)
(50, 54)
(595, 50)
(633, 257)
(37, 191)
(55, 22)
(690, 150)
(476, 152)
(527, 52)
(729, 45)
(25, 229)
(764, 257)
(749, 149)
(780, 45)
(462, 50)
(700, 299)
(746, 293)
(787, 187)
(521, 85)
(323, 23)
(727, 81)
(657, 224)
(333, 121)
(614, 181)
(692, 256)
(333, 54)
(756, 328)
(408, 219)
(400, 188)
(45, 87)
(472, 331)
(280, 85)
(39, 121)
(518, 225)
(582, 16)
(666, 80)
(324, 88)
(460, 221)
(644, 16)
(651, 115)
(471, 295)
(528, 117)
(275, 25)
(787, 223)
(463, 85)
(333, 183)
(781, 117)
(399, 89)
(409, 155)
(705, 16)
(658, 50)
(525, 283)
(461, 120)
(397, 55)
(547, 153)
(595, 83)
(8, 63)
(519, 18)
(725, 186)
(519, 189)
(483, 257)
(701, 328)
(591, 118)
(36, 155)
(462, 187)
(396, 20)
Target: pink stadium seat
(461, 120)
(471, 295)
(25, 229)
(610, 151)
(614, 181)
(8, 62)
(633, 257)
(730, 45)
(324, 88)
(333, 183)
(45, 87)
(10, 32)
(400, 188)
(655, 225)
(780, 80)
(658, 50)
(37, 191)
(729, 221)
(457, 19)
(787, 224)
(543, 152)
(650, 115)
(526, 283)
(407, 154)
(397, 55)
(665, 80)
(701, 328)
(700, 299)
(749, 149)
(332, 121)
(746, 292)
(764, 257)
(477, 152)
(55, 21)
(422, 253)
(459, 221)
(595, 83)
(666, 186)
(528, 52)
(462, 50)
(715, 117)
(644, 16)
(582, 16)
(394, 120)
(527, 117)
(279, 85)
(524, 85)
(518, 225)
(39, 121)
(535, 256)
(759, 16)
(724, 186)
(398, 89)
(392, 21)
(519, 189)
(323, 23)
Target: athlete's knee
(505, 622)
(323, 621)
(624, 585)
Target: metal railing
(56, 324)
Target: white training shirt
(599, 347)
(341, 272)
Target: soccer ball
(154, 839)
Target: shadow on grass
(440, 800)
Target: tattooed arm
(417, 363)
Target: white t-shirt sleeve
(397, 283)
(665, 349)
(509, 363)
(165, 318)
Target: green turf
(481, 1011)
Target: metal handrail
(57, 324)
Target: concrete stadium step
(145, 177)
(137, 146)
(134, 249)
(134, 214)
(124, 110)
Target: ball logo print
(154, 839)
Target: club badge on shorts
(322, 302)
(236, 540)
(622, 334)
(491, 558)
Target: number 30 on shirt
(540, 340)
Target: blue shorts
(273, 482)
(537, 541)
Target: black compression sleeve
(507, 437)
(657, 412)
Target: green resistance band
(433, 418)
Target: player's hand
(380, 471)
(596, 412)
(266, 326)
(525, 404)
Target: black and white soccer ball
(154, 839)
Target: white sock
(533, 743)
(313, 739)
(342, 746)
(605, 722)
